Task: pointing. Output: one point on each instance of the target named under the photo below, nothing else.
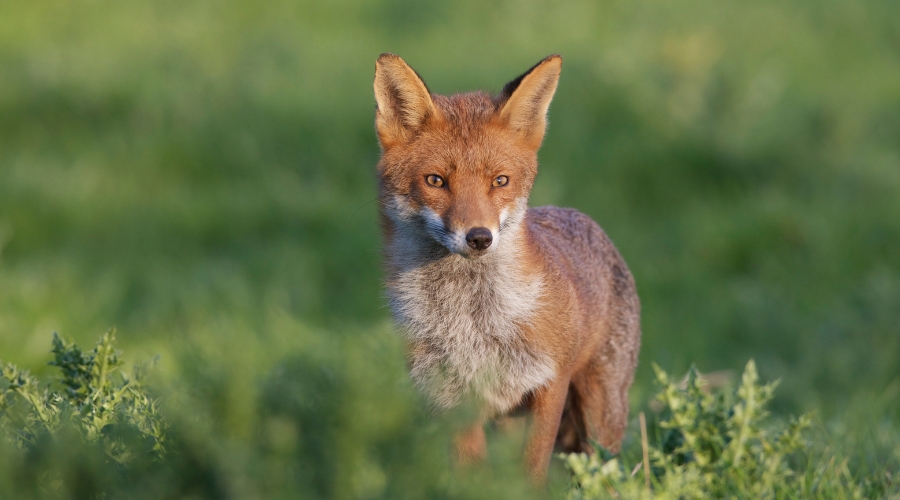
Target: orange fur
(512, 306)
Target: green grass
(320, 425)
(201, 176)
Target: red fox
(516, 307)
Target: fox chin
(514, 307)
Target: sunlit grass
(203, 173)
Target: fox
(514, 308)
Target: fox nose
(479, 238)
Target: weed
(93, 396)
(718, 446)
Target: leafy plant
(93, 395)
(717, 446)
(94, 432)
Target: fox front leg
(547, 408)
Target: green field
(200, 175)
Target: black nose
(479, 238)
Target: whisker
(361, 207)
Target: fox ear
(403, 101)
(525, 100)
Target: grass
(200, 175)
(317, 425)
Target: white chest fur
(464, 319)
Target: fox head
(458, 169)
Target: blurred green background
(201, 175)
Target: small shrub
(716, 446)
(93, 397)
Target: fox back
(511, 306)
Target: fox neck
(464, 316)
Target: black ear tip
(510, 87)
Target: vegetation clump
(718, 446)
(92, 397)
(95, 432)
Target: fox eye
(500, 181)
(434, 180)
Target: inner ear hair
(403, 100)
(523, 102)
